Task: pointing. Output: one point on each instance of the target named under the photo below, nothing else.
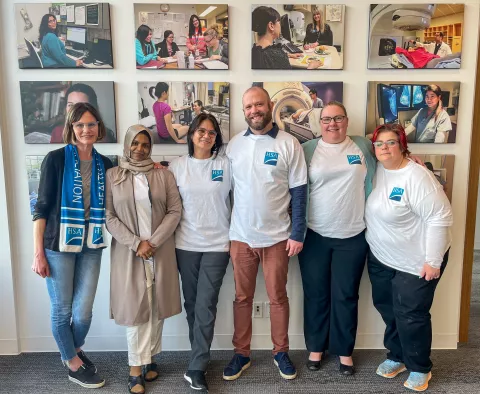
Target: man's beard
(267, 118)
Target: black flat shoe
(147, 368)
(197, 380)
(346, 370)
(136, 380)
(314, 365)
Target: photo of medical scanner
(294, 110)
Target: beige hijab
(126, 162)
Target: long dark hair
(44, 29)
(437, 91)
(261, 17)
(142, 33)
(194, 126)
(191, 28)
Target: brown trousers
(274, 260)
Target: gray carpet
(455, 371)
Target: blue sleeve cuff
(299, 212)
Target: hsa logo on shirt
(74, 236)
(217, 175)
(354, 159)
(97, 238)
(396, 194)
(271, 158)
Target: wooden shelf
(452, 35)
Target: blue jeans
(72, 285)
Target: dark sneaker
(81, 354)
(237, 365)
(196, 379)
(285, 365)
(86, 377)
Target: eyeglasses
(51, 20)
(389, 143)
(171, 37)
(202, 132)
(336, 119)
(81, 126)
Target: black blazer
(163, 51)
(313, 35)
(49, 199)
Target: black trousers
(202, 276)
(331, 271)
(404, 301)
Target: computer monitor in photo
(387, 103)
(77, 36)
(404, 96)
(418, 96)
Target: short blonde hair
(212, 32)
(74, 115)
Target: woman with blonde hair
(432, 123)
(217, 48)
(318, 32)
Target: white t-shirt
(204, 186)
(144, 217)
(402, 213)
(337, 190)
(264, 169)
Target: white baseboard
(477, 245)
(220, 342)
(9, 347)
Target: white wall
(32, 304)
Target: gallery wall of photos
(78, 37)
(380, 60)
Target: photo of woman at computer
(51, 39)
(427, 111)
(192, 37)
(283, 40)
(45, 105)
(297, 106)
(168, 108)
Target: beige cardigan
(128, 287)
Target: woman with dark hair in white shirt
(408, 217)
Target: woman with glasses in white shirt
(408, 217)
(340, 173)
(201, 239)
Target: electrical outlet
(258, 309)
(267, 309)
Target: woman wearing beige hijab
(143, 208)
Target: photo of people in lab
(297, 106)
(414, 36)
(181, 36)
(298, 36)
(168, 108)
(428, 111)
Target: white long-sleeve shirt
(408, 217)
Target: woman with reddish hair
(408, 217)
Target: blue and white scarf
(72, 220)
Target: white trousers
(145, 341)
